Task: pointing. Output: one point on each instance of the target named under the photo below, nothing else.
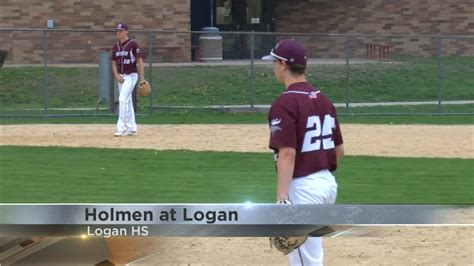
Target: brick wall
(404, 17)
(429, 17)
(68, 47)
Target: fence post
(150, 70)
(252, 71)
(45, 71)
(440, 75)
(347, 52)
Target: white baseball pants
(317, 188)
(126, 119)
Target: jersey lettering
(125, 56)
(121, 53)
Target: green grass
(411, 79)
(68, 87)
(187, 116)
(410, 109)
(82, 175)
(143, 108)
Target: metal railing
(364, 74)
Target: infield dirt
(378, 140)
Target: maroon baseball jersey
(125, 56)
(305, 119)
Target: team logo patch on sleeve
(275, 121)
(274, 125)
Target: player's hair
(297, 69)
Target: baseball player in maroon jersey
(306, 139)
(127, 61)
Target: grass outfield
(87, 175)
(410, 79)
(200, 116)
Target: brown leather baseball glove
(144, 88)
(287, 244)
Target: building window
(223, 12)
(254, 11)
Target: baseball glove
(287, 244)
(144, 88)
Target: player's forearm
(115, 71)
(339, 151)
(285, 169)
(141, 69)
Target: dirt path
(379, 140)
(394, 246)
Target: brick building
(82, 47)
(388, 17)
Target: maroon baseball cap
(288, 50)
(121, 26)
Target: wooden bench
(170, 50)
(382, 51)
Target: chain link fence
(53, 72)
